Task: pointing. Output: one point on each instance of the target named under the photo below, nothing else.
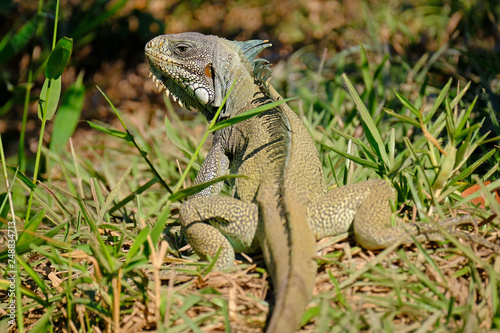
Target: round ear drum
(208, 70)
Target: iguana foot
(213, 223)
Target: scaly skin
(281, 207)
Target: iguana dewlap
(281, 206)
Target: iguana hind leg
(214, 222)
(335, 212)
(364, 208)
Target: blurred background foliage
(412, 47)
(457, 39)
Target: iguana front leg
(211, 222)
(216, 164)
(215, 222)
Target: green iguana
(281, 206)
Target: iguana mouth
(160, 86)
(185, 93)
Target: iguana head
(197, 70)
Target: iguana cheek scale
(281, 206)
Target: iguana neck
(244, 96)
(246, 93)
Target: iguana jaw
(178, 66)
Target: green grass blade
(403, 118)
(439, 100)
(469, 170)
(13, 42)
(179, 195)
(44, 323)
(358, 160)
(247, 114)
(373, 132)
(464, 117)
(32, 225)
(139, 240)
(365, 70)
(356, 141)
(133, 195)
(117, 134)
(5, 285)
(459, 97)
(114, 192)
(409, 105)
(19, 175)
(33, 275)
(158, 228)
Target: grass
(101, 248)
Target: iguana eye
(181, 48)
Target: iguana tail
(287, 241)
(289, 257)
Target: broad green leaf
(68, 115)
(49, 98)
(59, 58)
(109, 131)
